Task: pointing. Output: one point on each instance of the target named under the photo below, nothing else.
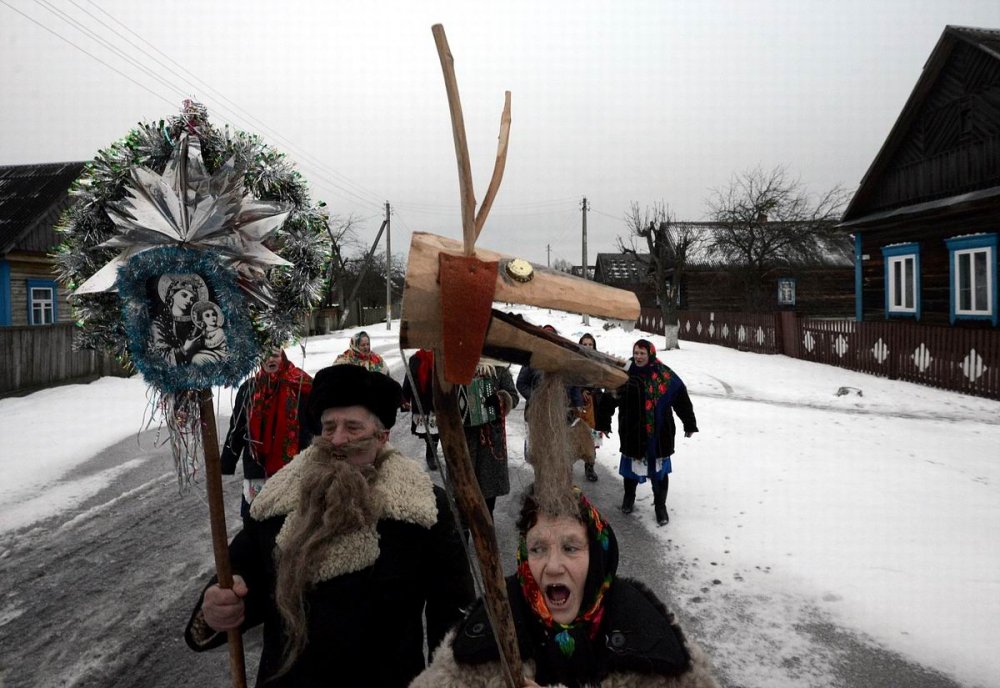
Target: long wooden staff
(472, 506)
(456, 451)
(217, 517)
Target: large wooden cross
(448, 302)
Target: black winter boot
(588, 470)
(432, 463)
(660, 502)
(628, 501)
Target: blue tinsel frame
(243, 348)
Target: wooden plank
(547, 288)
(517, 341)
(471, 505)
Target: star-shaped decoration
(188, 207)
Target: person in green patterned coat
(485, 404)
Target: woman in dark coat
(577, 623)
(485, 404)
(646, 407)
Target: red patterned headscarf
(273, 419)
(603, 566)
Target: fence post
(787, 323)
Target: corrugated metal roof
(28, 192)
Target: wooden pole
(467, 195)
(217, 517)
(477, 518)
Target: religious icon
(174, 335)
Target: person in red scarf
(360, 353)
(418, 399)
(577, 622)
(269, 425)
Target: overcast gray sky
(644, 101)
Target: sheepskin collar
(407, 495)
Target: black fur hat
(351, 385)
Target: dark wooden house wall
(929, 231)
(819, 291)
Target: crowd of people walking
(352, 561)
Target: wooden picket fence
(963, 360)
(43, 355)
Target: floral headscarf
(656, 377)
(603, 550)
(355, 356)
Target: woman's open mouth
(556, 596)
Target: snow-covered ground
(880, 511)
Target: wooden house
(626, 271)
(821, 288)
(32, 197)
(926, 216)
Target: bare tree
(562, 265)
(344, 242)
(670, 246)
(767, 220)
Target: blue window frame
(902, 280)
(786, 291)
(42, 302)
(5, 309)
(972, 268)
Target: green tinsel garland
(267, 175)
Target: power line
(315, 163)
(88, 54)
(613, 217)
(107, 45)
(72, 21)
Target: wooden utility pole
(583, 206)
(548, 255)
(388, 269)
(361, 276)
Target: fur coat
(366, 622)
(637, 633)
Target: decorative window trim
(791, 283)
(53, 289)
(970, 245)
(893, 255)
(6, 313)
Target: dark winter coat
(528, 378)
(639, 645)
(366, 622)
(488, 443)
(635, 441)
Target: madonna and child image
(187, 327)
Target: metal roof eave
(970, 197)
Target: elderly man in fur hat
(348, 549)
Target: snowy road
(98, 596)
